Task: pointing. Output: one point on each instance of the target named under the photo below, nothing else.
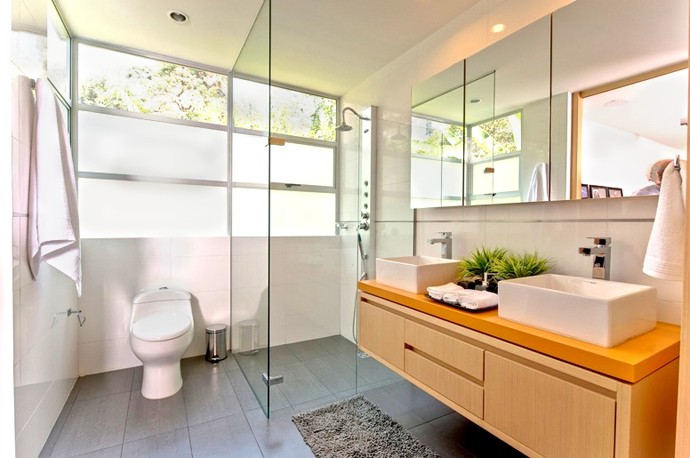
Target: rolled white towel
(453, 297)
(437, 292)
(479, 300)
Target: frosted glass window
(482, 183)
(133, 146)
(293, 213)
(249, 159)
(507, 175)
(249, 212)
(424, 179)
(58, 53)
(302, 164)
(302, 213)
(110, 208)
(452, 179)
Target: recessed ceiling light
(475, 100)
(178, 16)
(498, 28)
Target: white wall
(629, 156)
(114, 270)
(304, 291)
(45, 339)
(556, 230)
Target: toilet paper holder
(70, 312)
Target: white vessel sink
(601, 312)
(415, 273)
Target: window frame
(471, 164)
(76, 106)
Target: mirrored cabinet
(580, 104)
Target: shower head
(345, 127)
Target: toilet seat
(161, 326)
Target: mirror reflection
(629, 92)
(485, 141)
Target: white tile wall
(114, 270)
(556, 230)
(45, 341)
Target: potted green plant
(526, 264)
(479, 263)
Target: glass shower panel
(250, 224)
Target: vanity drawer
(458, 389)
(456, 353)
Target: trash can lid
(215, 328)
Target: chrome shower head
(345, 127)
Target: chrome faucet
(446, 241)
(601, 267)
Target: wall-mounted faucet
(446, 241)
(601, 267)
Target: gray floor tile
(93, 386)
(172, 444)
(400, 412)
(110, 452)
(335, 376)
(229, 363)
(256, 361)
(304, 351)
(93, 425)
(454, 430)
(337, 344)
(209, 398)
(57, 429)
(148, 417)
(315, 404)
(417, 400)
(197, 366)
(229, 436)
(445, 446)
(242, 390)
(300, 385)
(138, 378)
(278, 437)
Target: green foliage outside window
(436, 139)
(161, 88)
(496, 137)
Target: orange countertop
(630, 361)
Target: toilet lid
(162, 326)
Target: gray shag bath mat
(357, 428)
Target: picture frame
(614, 192)
(598, 192)
(584, 192)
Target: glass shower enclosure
(297, 247)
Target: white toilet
(161, 329)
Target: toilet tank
(150, 301)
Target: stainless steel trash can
(249, 337)
(216, 342)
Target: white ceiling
(328, 46)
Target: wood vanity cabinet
(539, 404)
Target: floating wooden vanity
(545, 394)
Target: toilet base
(161, 381)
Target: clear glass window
(138, 84)
(499, 136)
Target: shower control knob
(363, 226)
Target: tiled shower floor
(216, 413)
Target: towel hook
(676, 162)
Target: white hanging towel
(53, 233)
(23, 130)
(666, 247)
(537, 191)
